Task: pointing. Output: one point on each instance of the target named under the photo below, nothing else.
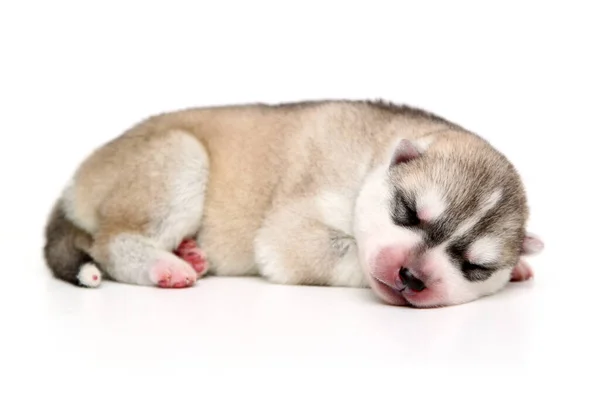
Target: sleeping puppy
(339, 193)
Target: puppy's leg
(135, 258)
(157, 203)
(295, 248)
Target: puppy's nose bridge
(414, 256)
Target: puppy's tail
(66, 251)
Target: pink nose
(391, 268)
(387, 265)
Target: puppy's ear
(404, 151)
(531, 245)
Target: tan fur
(263, 184)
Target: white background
(524, 75)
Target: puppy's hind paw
(166, 273)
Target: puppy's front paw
(522, 272)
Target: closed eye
(404, 213)
(475, 272)
(412, 218)
(468, 266)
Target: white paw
(89, 275)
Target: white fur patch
(484, 250)
(131, 257)
(185, 201)
(335, 210)
(491, 201)
(269, 260)
(466, 226)
(348, 271)
(89, 275)
(373, 226)
(430, 205)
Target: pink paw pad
(522, 272)
(169, 274)
(190, 252)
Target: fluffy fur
(343, 193)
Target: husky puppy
(339, 193)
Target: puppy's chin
(428, 298)
(436, 294)
(386, 293)
(432, 296)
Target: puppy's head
(442, 221)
